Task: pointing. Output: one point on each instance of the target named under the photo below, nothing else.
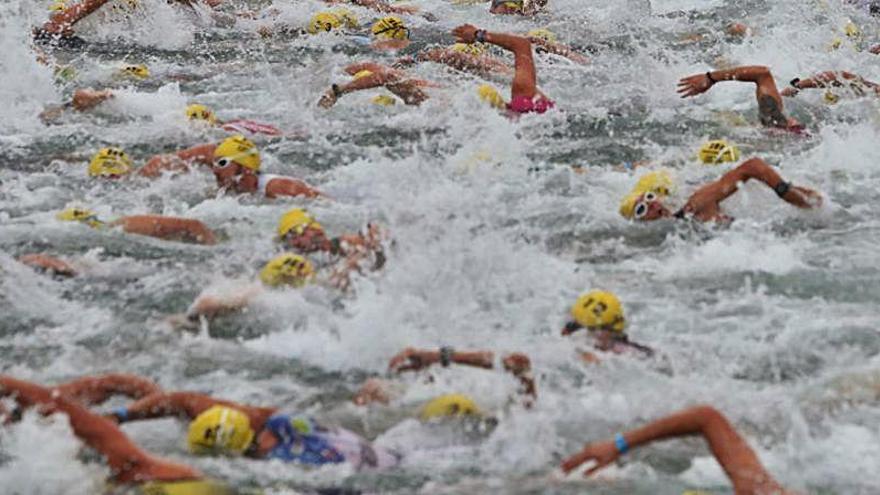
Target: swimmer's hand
(875, 50)
(466, 33)
(183, 322)
(803, 197)
(694, 85)
(373, 390)
(602, 453)
(411, 359)
(789, 92)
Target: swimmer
(517, 7)
(739, 461)
(129, 464)
(601, 314)
(158, 226)
(770, 106)
(236, 166)
(201, 113)
(857, 84)
(299, 231)
(225, 427)
(524, 94)
(285, 270)
(368, 75)
(704, 204)
(410, 359)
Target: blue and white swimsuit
(301, 439)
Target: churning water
(772, 320)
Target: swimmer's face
(226, 170)
(311, 239)
(794, 125)
(648, 207)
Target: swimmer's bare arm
(211, 306)
(411, 359)
(385, 7)
(558, 49)
(168, 228)
(285, 186)
(62, 22)
(202, 154)
(128, 463)
(830, 78)
(739, 461)
(525, 79)
(479, 64)
(47, 263)
(93, 390)
(188, 405)
(86, 99)
(704, 202)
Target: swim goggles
(641, 208)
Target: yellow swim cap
(475, 49)
(491, 96)
(830, 98)
(287, 269)
(851, 30)
(110, 162)
(599, 310)
(658, 182)
(391, 28)
(297, 220)
(57, 6)
(718, 151)
(220, 430)
(449, 406)
(324, 22)
(139, 71)
(200, 112)
(83, 215)
(542, 33)
(240, 150)
(351, 21)
(384, 100)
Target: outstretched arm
(770, 106)
(202, 154)
(127, 461)
(739, 461)
(187, 405)
(525, 79)
(168, 228)
(62, 22)
(43, 262)
(92, 390)
(285, 186)
(830, 79)
(542, 45)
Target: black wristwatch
(480, 35)
(782, 188)
(709, 77)
(446, 353)
(794, 83)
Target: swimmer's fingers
(602, 453)
(466, 33)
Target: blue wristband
(121, 413)
(621, 444)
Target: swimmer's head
(362, 74)
(830, 97)
(384, 100)
(851, 30)
(658, 182)
(324, 22)
(542, 34)
(81, 215)
(287, 269)
(596, 310)
(390, 28)
(450, 406)
(299, 230)
(57, 6)
(201, 113)
(110, 163)
(475, 49)
(220, 430)
(237, 150)
(644, 206)
(491, 96)
(718, 151)
(137, 71)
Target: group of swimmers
(221, 426)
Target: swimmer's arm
(411, 359)
(733, 453)
(285, 186)
(758, 169)
(558, 49)
(62, 22)
(202, 154)
(127, 461)
(188, 405)
(47, 263)
(700, 83)
(168, 228)
(211, 306)
(380, 6)
(93, 390)
(520, 366)
(86, 99)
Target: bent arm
(47, 263)
(212, 305)
(168, 228)
(202, 154)
(188, 405)
(92, 390)
(127, 461)
(758, 169)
